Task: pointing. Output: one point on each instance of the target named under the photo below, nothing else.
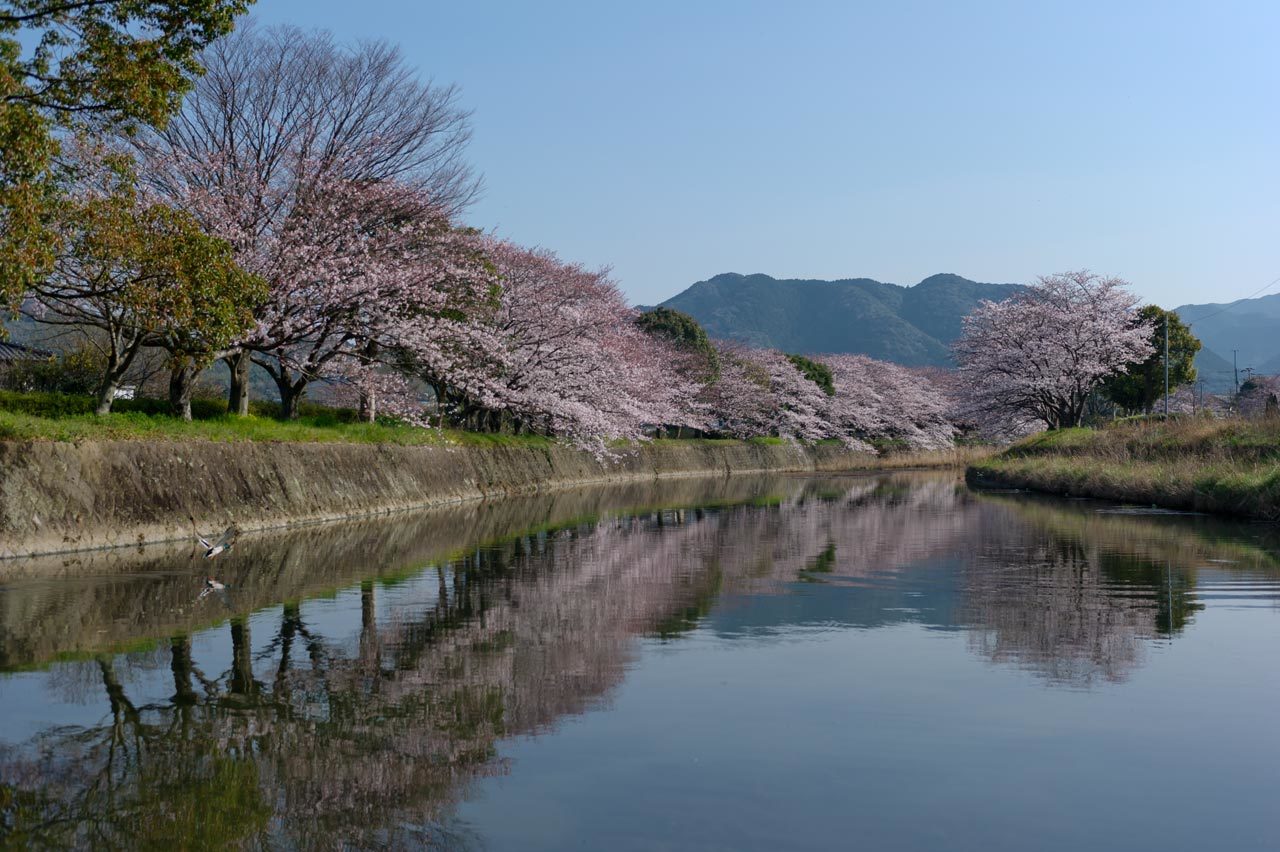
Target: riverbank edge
(1186, 486)
(59, 497)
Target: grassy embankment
(61, 417)
(1226, 466)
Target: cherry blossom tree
(693, 359)
(881, 400)
(568, 358)
(799, 404)
(1259, 397)
(375, 390)
(969, 421)
(761, 392)
(281, 116)
(365, 271)
(1040, 354)
(738, 401)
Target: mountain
(1251, 327)
(909, 325)
(1215, 371)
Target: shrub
(201, 409)
(322, 414)
(46, 404)
(76, 371)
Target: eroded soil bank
(57, 497)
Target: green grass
(60, 417)
(66, 417)
(1226, 466)
(151, 427)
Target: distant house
(16, 353)
(13, 354)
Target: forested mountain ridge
(908, 325)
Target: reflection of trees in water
(1049, 608)
(854, 532)
(317, 739)
(1073, 594)
(86, 603)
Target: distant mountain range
(909, 325)
(1249, 326)
(916, 325)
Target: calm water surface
(861, 662)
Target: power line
(1228, 307)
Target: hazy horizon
(997, 141)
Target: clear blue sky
(893, 140)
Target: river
(754, 663)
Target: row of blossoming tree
(299, 209)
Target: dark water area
(860, 662)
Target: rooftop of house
(11, 352)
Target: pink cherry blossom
(1040, 354)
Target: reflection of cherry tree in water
(1073, 604)
(1075, 609)
(318, 740)
(314, 740)
(867, 527)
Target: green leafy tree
(206, 306)
(1142, 383)
(819, 374)
(683, 332)
(677, 327)
(94, 63)
(144, 275)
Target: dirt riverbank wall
(58, 497)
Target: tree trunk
(368, 400)
(118, 361)
(106, 394)
(238, 395)
(122, 709)
(289, 388)
(368, 407)
(290, 622)
(181, 379)
(290, 394)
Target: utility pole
(1166, 366)
(1235, 370)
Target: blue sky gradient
(1000, 140)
